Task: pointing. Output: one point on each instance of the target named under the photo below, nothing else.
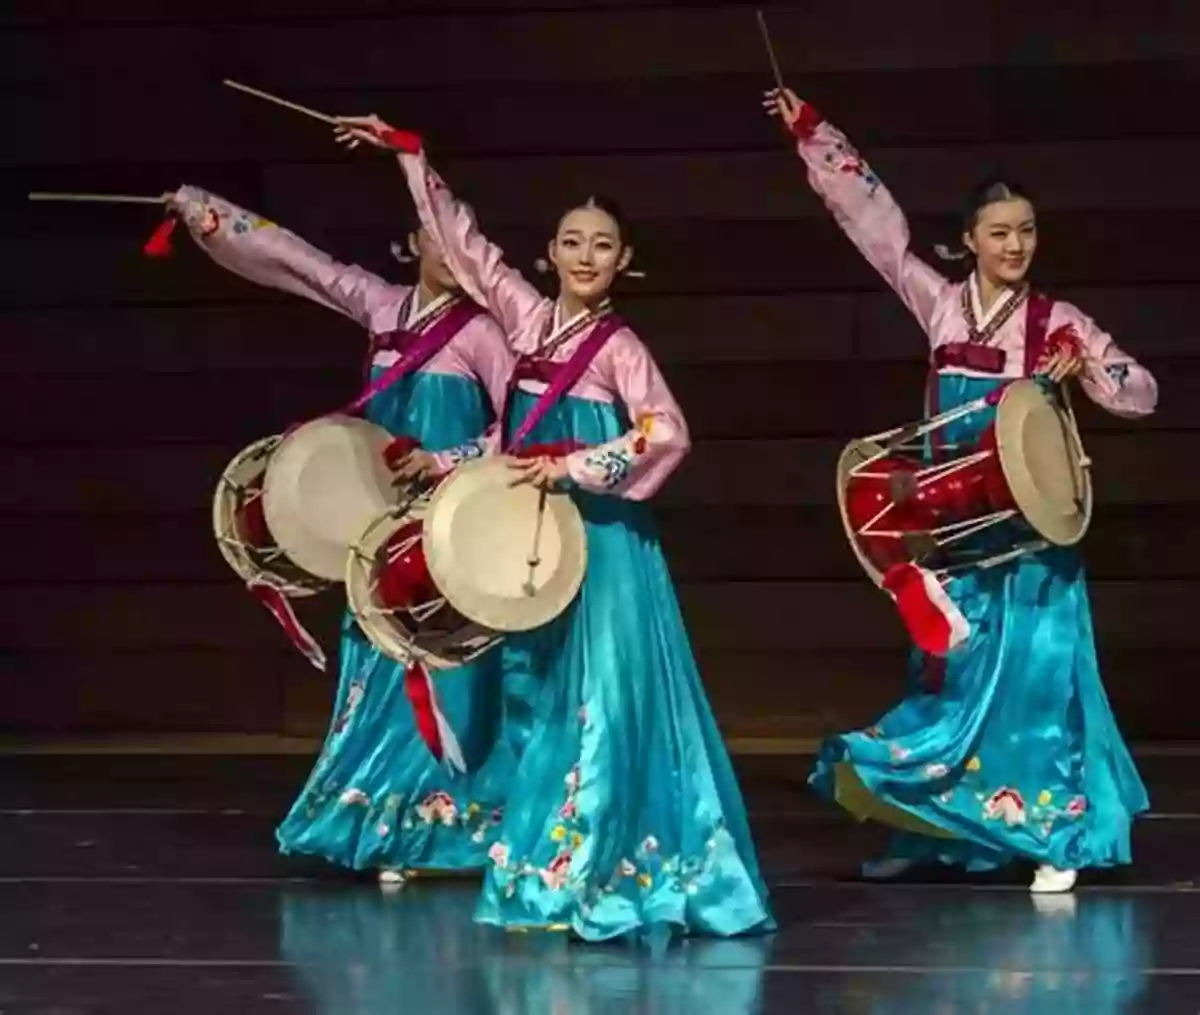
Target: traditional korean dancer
(377, 798)
(629, 816)
(1018, 755)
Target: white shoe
(885, 870)
(393, 878)
(1051, 881)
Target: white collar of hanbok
(560, 327)
(982, 319)
(417, 314)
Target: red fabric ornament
(281, 610)
(159, 244)
(432, 724)
(934, 621)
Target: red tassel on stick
(159, 244)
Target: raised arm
(636, 464)
(862, 206)
(1111, 378)
(264, 253)
(476, 262)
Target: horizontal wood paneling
(759, 400)
(698, 114)
(496, 43)
(291, 335)
(145, 479)
(1065, 176)
(1079, 31)
(702, 545)
(65, 690)
(754, 692)
(503, 46)
(721, 616)
(793, 694)
(809, 255)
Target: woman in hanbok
(1016, 754)
(629, 818)
(377, 798)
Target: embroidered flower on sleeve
(1077, 806)
(936, 771)
(611, 464)
(210, 222)
(247, 222)
(845, 159)
(465, 452)
(1118, 372)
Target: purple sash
(565, 377)
(1037, 322)
(419, 348)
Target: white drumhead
(480, 535)
(324, 484)
(853, 456)
(1043, 462)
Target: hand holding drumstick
(543, 472)
(416, 465)
(785, 104)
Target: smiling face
(435, 274)
(1003, 240)
(587, 253)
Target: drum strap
(564, 378)
(419, 348)
(1037, 322)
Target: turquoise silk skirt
(629, 816)
(1018, 753)
(376, 797)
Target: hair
(610, 208)
(979, 197)
(990, 192)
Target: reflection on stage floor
(133, 886)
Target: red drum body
(443, 579)
(1028, 465)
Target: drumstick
(534, 560)
(766, 35)
(46, 195)
(324, 117)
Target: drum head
(324, 484)
(241, 474)
(480, 536)
(853, 455)
(1042, 457)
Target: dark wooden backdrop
(126, 385)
